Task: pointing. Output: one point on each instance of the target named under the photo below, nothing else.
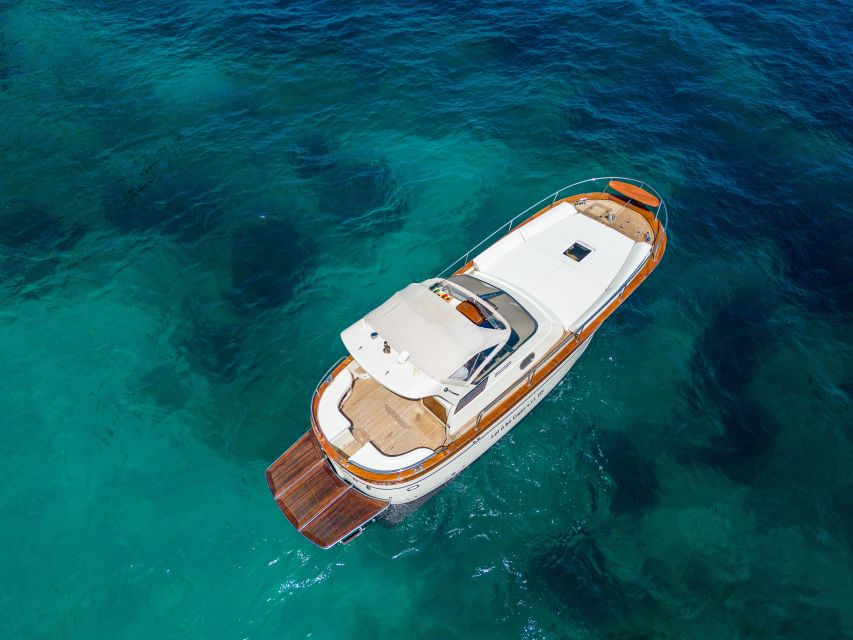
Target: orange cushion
(470, 311)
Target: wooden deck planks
(628, 222)
(314, 499)
(307, 497)
(395, 425)
(342, 517)
(302, 455)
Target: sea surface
(197, 197)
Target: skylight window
(577, 252)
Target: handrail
(463, 259)
(327, 376)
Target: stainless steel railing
(601, 184)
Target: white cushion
(501, 248)
(332, 421)
(639, 252)
(570, 293)
(370, 457)
(525, 266)
(536, 226)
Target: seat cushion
(332, 421)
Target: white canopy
(437, 337)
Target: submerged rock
(34, 231)
(358, 194)
(267, 262)
(33, 241)
(637, 485)
(572, 571)
(314, 155)
(723, 364)
(165, 387)
(215, 349)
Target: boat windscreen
(521, 323)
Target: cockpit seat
(333, 423)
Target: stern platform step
(321, 506)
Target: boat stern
(314, 499)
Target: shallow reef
(636, 484)
(571, 572)
(33, 242)
(353, 193)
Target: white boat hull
(424, 485)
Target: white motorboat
(445, 367)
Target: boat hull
(422, 486)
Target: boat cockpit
(522, 324)
(415, 361)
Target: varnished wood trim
(634, 193)
(470, 311)
(435, 407)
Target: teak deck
(394, 425)
(625, 220)
(321, 506)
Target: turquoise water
(196, 197)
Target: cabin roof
(563, 260)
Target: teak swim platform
(443, 369)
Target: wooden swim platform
(321, 506)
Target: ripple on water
(637, 486)
(34, 241)
(164, 199)
(352, 192)
(215, 349)
(571, 572)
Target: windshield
(522, 325)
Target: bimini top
(428, 334)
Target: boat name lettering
(519, 412)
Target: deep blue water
(196, 197)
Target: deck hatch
(577, 252)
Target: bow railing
(600, 184)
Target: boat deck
(395, 425)
(321, 506)
(619, 216)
